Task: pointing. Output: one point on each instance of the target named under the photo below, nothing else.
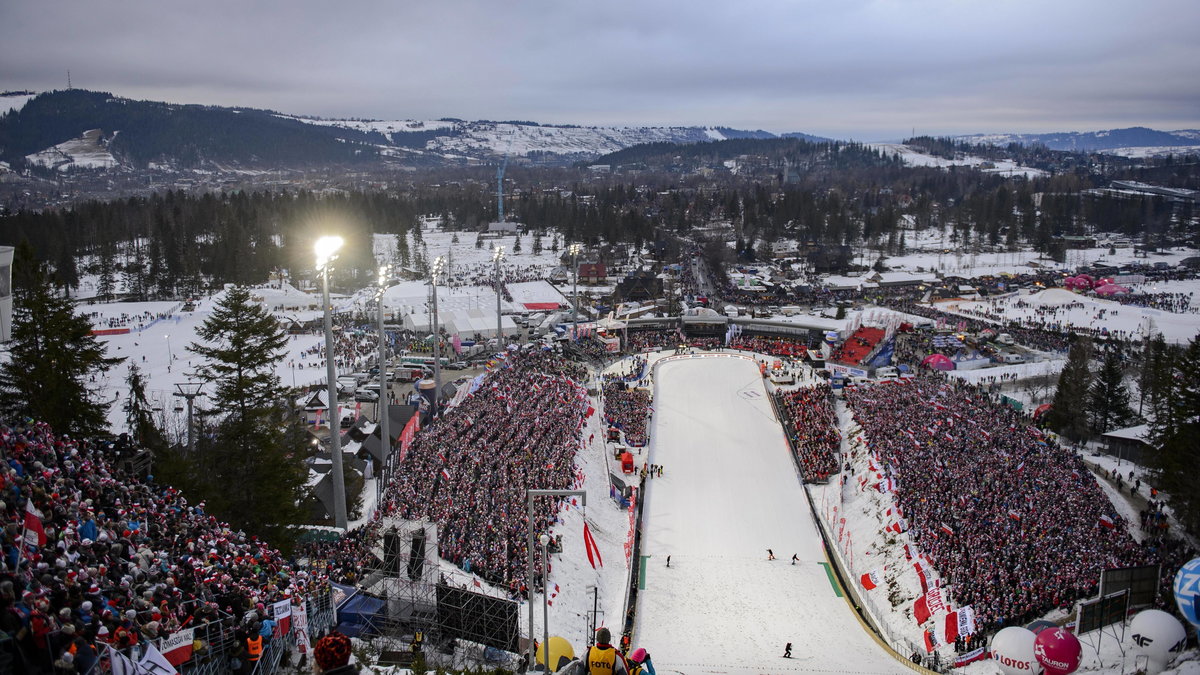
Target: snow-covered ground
(85, 152)
(912, 157)
(730, 492)
(1059, 306)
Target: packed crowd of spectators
(123, 561)
(1035, 337)
(653, 340)
(469, 470)
(1012, 521)
(788, 346)
(136, 321)
(1177, 303)
(812, 427)
(628, 408)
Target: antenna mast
(68, 80)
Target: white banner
(300, 623)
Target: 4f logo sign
(1142, 640)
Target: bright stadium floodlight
(326, 249)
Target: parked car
(366, 395)
(458, 365)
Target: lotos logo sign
(1010, 662)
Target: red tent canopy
(938, 362)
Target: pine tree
(53, 359)
(1070, 398)
(1175, 431)
(1108, 398)
(252, 473)
(139, 416)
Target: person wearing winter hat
(640, 663)
(331, 655)
(602, 658)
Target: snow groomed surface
(729, 492)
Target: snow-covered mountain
(1096, 141)
(453, 138)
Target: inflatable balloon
(1187, 591)
(1159, 636)
(1041, 625)
(560, 652)
(1058, 651)
(1012, 650)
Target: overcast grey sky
(842, 68)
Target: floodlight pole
(383, 406)
(438, 263)
(497, 256)
(575, 250)
(529, 495)
(545, 541)
(326, 250)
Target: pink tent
(1110, 289)
(938, 362)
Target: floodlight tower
(497, 258)
(326, 249)
(385, 387)
(574, 250)
(439, 265)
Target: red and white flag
(177, 647)
(948, 628)
(589, 544)
(35, 534)
(929, 604)
(445, 474)
(282, 613)
(1107, 521)
(1014, 515)
(872, 579)
(947, 530)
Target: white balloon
(1012, 650)
(1157, 635)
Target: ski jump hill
(729, 492)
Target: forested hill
(138, 133)
(793, 150)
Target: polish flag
(1014, 515)
(445, 474)
(593, 551)
(1105, 521)
(949, 531)
(948, 628)
(35, 534)
(872, 579)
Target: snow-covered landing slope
(729, 492)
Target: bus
(423, 361)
